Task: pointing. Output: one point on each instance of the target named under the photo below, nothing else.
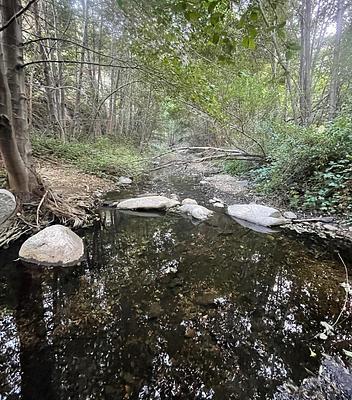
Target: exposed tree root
(51, 208)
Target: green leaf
(215, 39)
(212, 6)
(215, 18)
(192, 16)
(181, 6)
(251, 43)
(252, 31)
(253, 16)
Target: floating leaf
(348, 353)
(312, 353)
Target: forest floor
(76, 186)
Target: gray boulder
(189, 201)
(7, 205)
(257, 214)
(55, 245)
(147, 203)
(124, 180)
(196, 211)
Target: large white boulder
(257, 214)
(196, 211)
(147, 203)
(55, 245)
(7, 205)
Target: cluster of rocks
(253, 213)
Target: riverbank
(239, 189)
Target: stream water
(168, 309)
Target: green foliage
(104, 156)
(311, 167)
(238, 167)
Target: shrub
(104, 156)
(310, 167)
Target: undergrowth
(309, 168)
(101, 157)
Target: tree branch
(78, 62)
(17, 15)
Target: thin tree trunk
(49, 85)
(306, 63)
(335, 72)
(76, 112)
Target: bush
(104, 156)
(238, 167)
(310, 167)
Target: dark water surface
(166, 309)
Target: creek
(166, 308)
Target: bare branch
(17, 15)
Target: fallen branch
(209, 158)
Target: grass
(101, 157)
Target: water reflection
(164, 309)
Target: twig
(346, 292)
(38, 209)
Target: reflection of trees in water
(93, 324)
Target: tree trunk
(14, 144)
(306, 63)
(76, 112)
(335, 72)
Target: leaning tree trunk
(15, 146)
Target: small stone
(189, 201)
(124, 180)
(196, 211)
(203, 182)
(155, 311)
(331, 227)
(289, 215)
(190, 333)
(7, 205)
(218, 205)
(206, 299)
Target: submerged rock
(196, 211)
(147, 203)
(189, 201)
(7, 205)
(257, 214)
(334, 382)
(55, 245)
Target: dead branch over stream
(206, 153)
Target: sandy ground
(71, 183)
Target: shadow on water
(166, 309)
